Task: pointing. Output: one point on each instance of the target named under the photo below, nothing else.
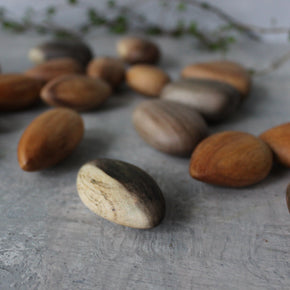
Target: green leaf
(154, 30)
(72, 2)
(111, 3)
(119, 25)
(204, 5)
(231, 39)
(192, 29)
(181, 6)
(94, 17)
(50, 11)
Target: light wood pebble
(147, 80)
(121, 193)
(135, 50)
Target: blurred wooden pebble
(169, 127)
(76, 92)
(49, 138)
(278, 138)
(51, 69)
(135, 50)
(109, 69)
(75, 49)
(18, 91)
(229, 72)
(121, 193)
(146, 79)
(214, 100)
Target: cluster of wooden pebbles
(175, 121)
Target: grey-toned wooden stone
(121, 193)
(214, 100)
(169, 127)
(61, 48)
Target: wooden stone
(147, 80)
(169, 127)
(278, 139)
(76, 91)
(18, 91)
(49, 138)
(75, 49)
(231, 158)
(51, 69)
(229, 72)
(109, 69)
(214, 100)
(121, 193)
(135, 50)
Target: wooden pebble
(18, 91)
(75, 49)
(231, 158)
(121, 193)
(229, 72)
(51, 69)
(147, 80)
(76, 92)
(135, 50)
(169, 127)
(49, 138)
(278, 139)
(109, 69)
(214, 100)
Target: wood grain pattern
(231, 158)
(76, 92)
(278, 139)
(53, 68)
(229, 72)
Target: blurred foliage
(122, 19)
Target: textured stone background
(212, 237)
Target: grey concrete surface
(211, 238)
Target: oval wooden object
(76, 92)
(135, 50)
(121, 193)
(51, 69)
(229, 72)
(169, 127)
(75, 49)
(214, 100)
(49, 138)
(18, 91)
(278, 139)
(147, 80)
(109, 69)
(231, 159)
